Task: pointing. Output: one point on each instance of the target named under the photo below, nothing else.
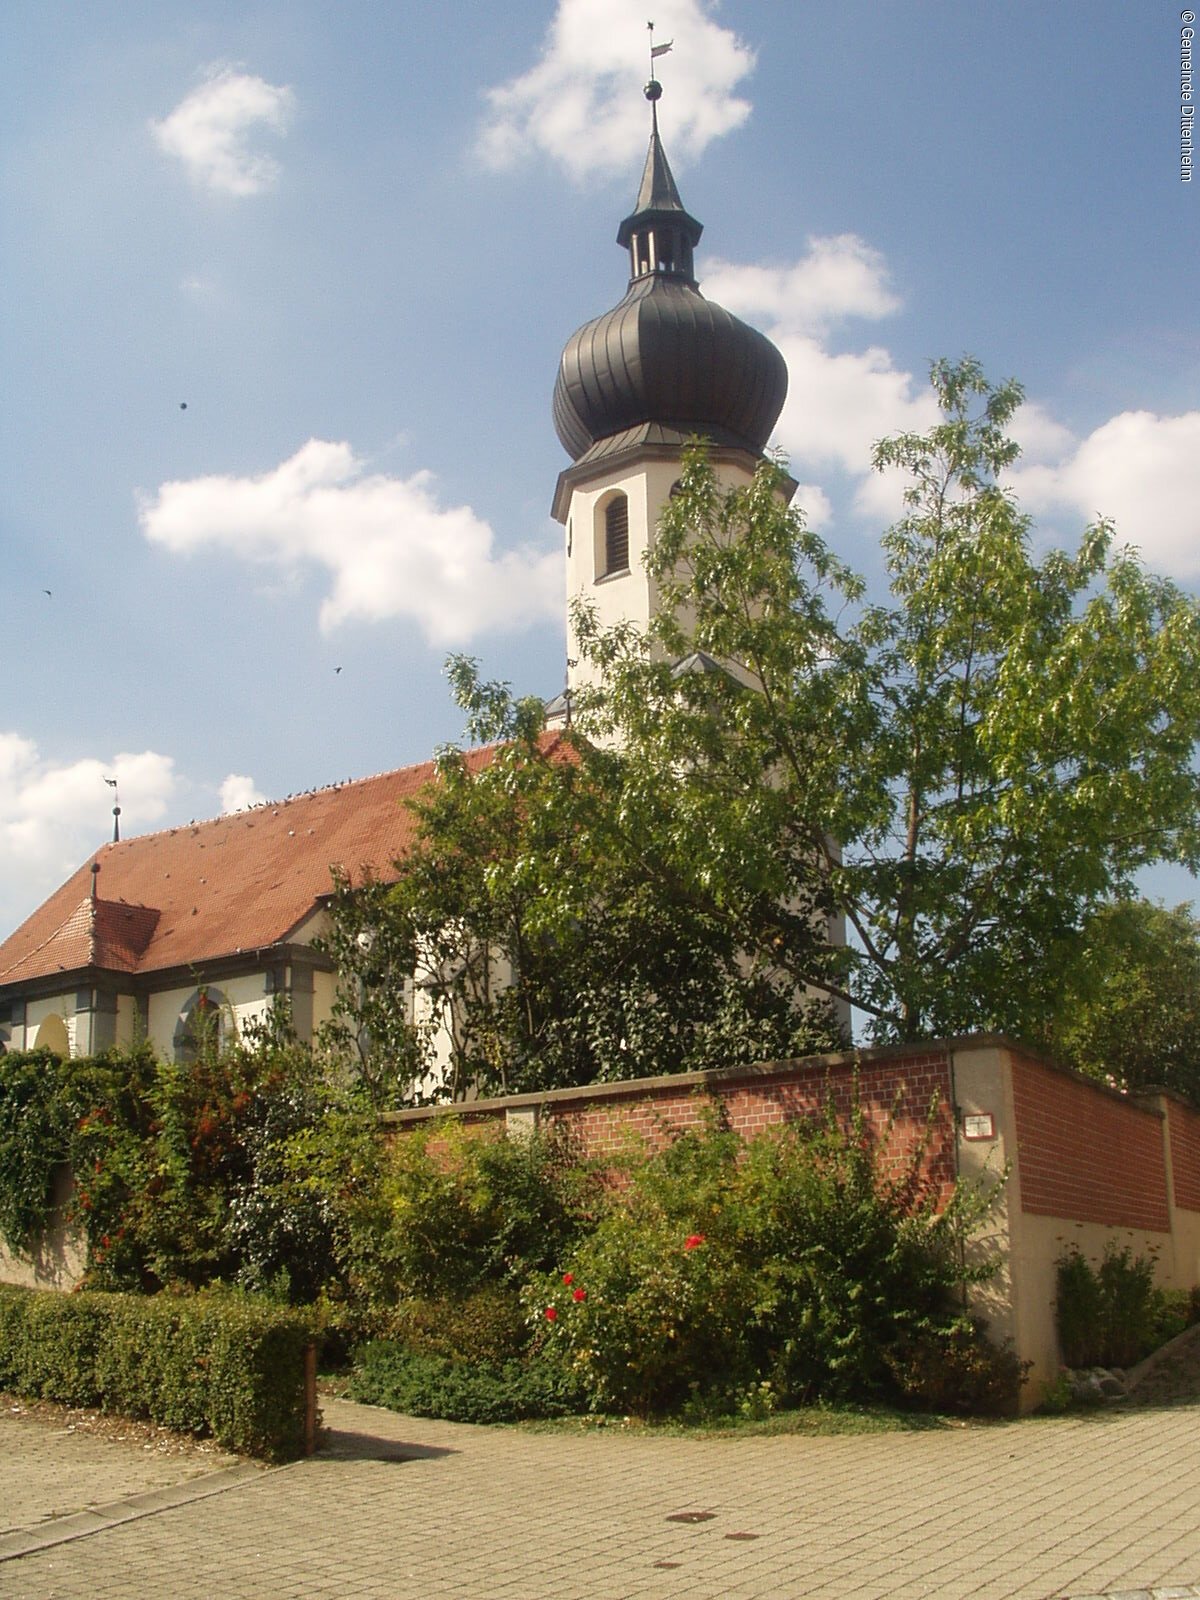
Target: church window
(616, 535)
(201, 1025)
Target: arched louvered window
(616, 535)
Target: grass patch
(816, 1421)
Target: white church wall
(246, 998)
(628, 596)
(128, 1026)
(324, 994)
(313, 927)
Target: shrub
(244, 1165)
(1078, 1310)
(648, 1315)
(387, 1374)
(1177, 1311)
(1130, 1304)
(799, 1259)
(856, 1252)
(35, 1122)
(486, 1326)
(470, 1207)
(957, 1368)
(1110, 1315)
(194, 1183)
(217, 1363)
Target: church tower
(634, 385)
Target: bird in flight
(183, 405)
(46, 591)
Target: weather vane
(656, 50)
(112, 784)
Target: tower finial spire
(659, 233)
(116, 810)
(653, 90)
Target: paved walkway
(396, 1507)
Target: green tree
(968, 769)
(1129, 1007)
(372, 1031)
(558, 915)
(958, 776)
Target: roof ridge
(108, 846)
(124, 905)
(279, 854)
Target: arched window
(201, 1025)
(616, 535)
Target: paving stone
(399, 1507)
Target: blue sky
(351, 239)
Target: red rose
(692, 1240)
(568, 1277)
(580, 1294)
(551, 1314)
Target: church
(210, 924)
(215, 921)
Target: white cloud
(208, 131)
(53, 813)
(580, 106)
(1041, 438)
(840, 276)
(239, 793)
(812, 500)
(1141, 470)
(201, 290)
(838, 405)
(390, 548)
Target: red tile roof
(99, 933)
(211, 889)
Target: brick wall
(1184, 1125)
(1085, 1152)
(896, 1090)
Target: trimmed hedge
(420, 1385)
(216, 1363)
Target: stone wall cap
(683, 1082)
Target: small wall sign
(979, 1127)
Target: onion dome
(665, 363)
